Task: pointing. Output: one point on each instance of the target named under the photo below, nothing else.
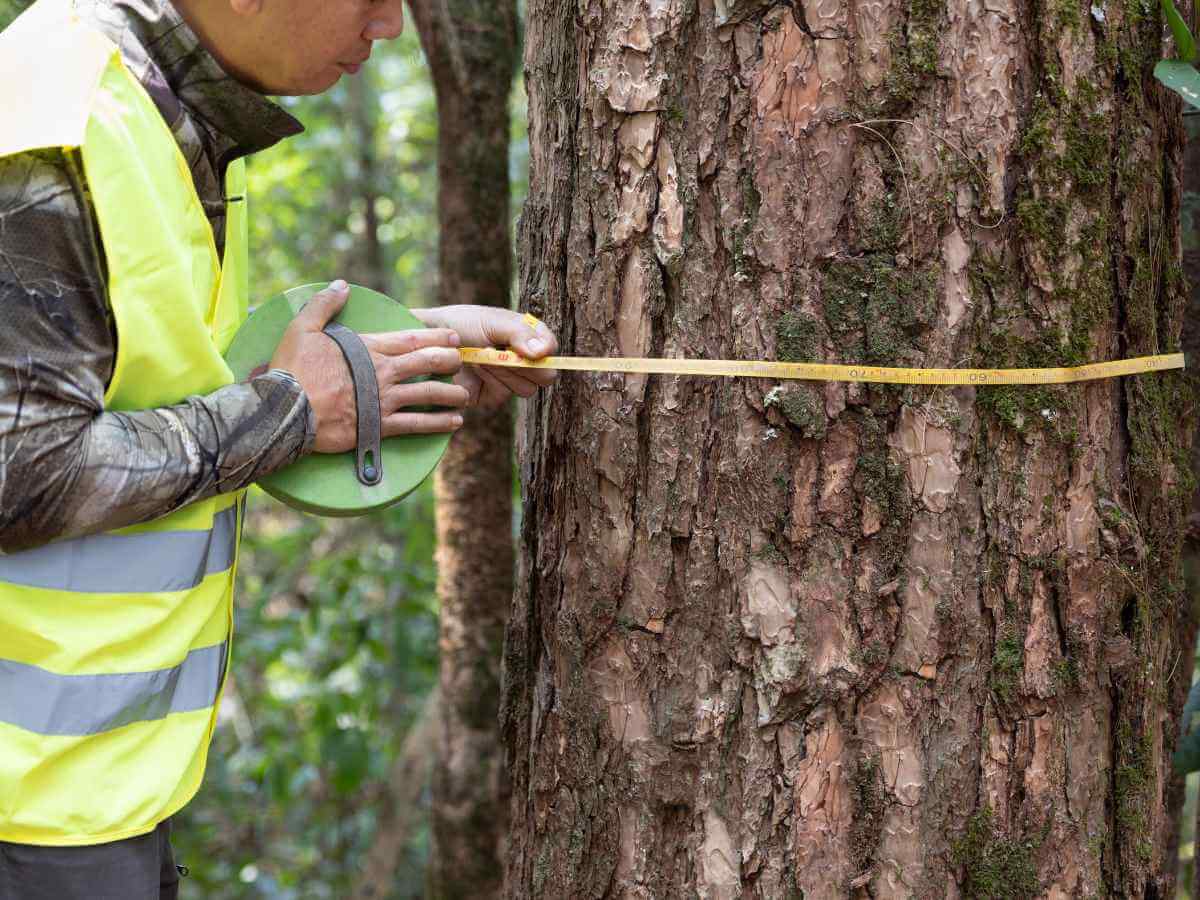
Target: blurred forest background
(325, 730)
(337, 620)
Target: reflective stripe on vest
(114, 648)
(165, 561)
(50, 704)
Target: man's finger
(538, 342)
(511, 380)
(397, 343)
(424, 393)
(421, 423)
(527, 335)
(495, 391)
(427, 361)
(323, 306)
(469, 380)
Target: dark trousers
(140, 868)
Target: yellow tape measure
(827, 372)
(732, 368)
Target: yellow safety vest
(114, 648)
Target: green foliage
(10, 9)
(1180, 74)
(1187, 755)
(1183, 35)
(334, 652)
(309, 194)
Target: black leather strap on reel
(369, 462)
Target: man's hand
(488, 326)
(317, 363)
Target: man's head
(292, 46)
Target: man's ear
(246, 7)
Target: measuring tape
(826, 372)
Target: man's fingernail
(457, 421)
(454, 339)
(535, 345)
(338, 286)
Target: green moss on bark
(802, 406)
(879, 309)
(797, 338)
(1008, 660)
(870, 804)
(994, 868)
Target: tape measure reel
(328, 484)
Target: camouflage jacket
(68, 467)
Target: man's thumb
(323, 306)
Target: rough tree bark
(816, 640)
(471, 46)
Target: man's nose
(387, 21)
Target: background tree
(471, 47)
(823, 640)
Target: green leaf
(1183, 35)
(1187, 756)
(1180, 77)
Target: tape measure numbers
(827, 372)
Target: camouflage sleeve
(68, 467)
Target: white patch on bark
(823, 813)
(984, 68)
(615, 680)
(768, 613)
(668, 222)
(887, 725)
(933, 471)
(719, 876)
(633, 319)
(874, 21)
(636, 139)
(957, 291)
(1083, 519)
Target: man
(124, 444)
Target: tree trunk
(471, 49)
(364, 112)
(817, 640)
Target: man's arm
(68, 467)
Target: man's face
(307, 45)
